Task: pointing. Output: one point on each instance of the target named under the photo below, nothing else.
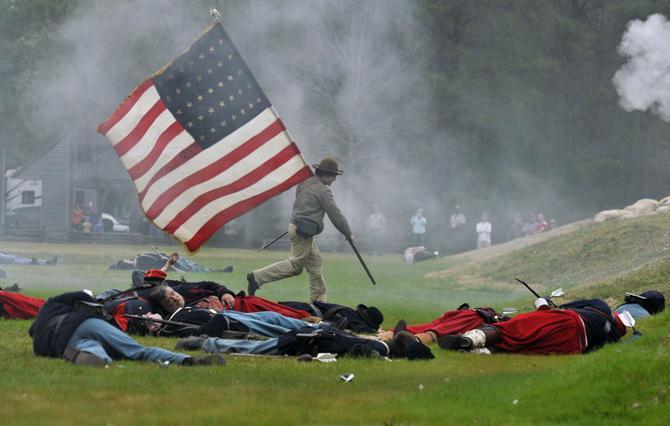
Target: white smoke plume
(643, 83)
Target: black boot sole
(454, 342)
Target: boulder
(613, 214)
(644, 206)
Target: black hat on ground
(406, 345)
(371, 315)
(418, 350)
(652, 301)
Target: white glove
(540, 302)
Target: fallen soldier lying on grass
(146, 261)
(573, 328)
(15, 259)
(72, 326)
(212, 295)
(363, 319)
(310, 341)
(451, 322)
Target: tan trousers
(304, 255)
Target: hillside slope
(589, 252)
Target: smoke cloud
(643, 82)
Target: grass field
(622, 383)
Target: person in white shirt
(419, 223)
(483, 229)
(375, 225)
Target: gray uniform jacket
(313, 199)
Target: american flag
(202, 143)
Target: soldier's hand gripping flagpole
(367, 271)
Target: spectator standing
(529, 226)
(419, 223)
(376, 224)
(483, 229)
(515, 230)
(77, 217)
(457, 218)
(541, 225)
(93, 217)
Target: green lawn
(623, 383)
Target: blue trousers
(268, 324)
(216, 345)
(107, 342)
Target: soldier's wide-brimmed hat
(328, 165)
(370, 315)
(653, 301)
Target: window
(27, 197)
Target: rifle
(360, 259)
(549, 301)
(272, 242)
(226, 334)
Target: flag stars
(210, 71)
(230, 77)
(212, 130)
(189, 104)
(190, 124)
(201, 117)
(199, 78)
(258, 100)
(239, 92)
(211, 48)
(242, 111)
(211, 110)
(220, 41)
(200, 98)
(239, 72)
(179, 112)
(222, 104)
(230, 57)
(202, 137)
(250, 105)
(201, 56)
(219, 64)
(233, 117)
(231, 97)
(210, 90)
(188, 84)
(220, 84)
(178, 91)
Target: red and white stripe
(190, 192)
